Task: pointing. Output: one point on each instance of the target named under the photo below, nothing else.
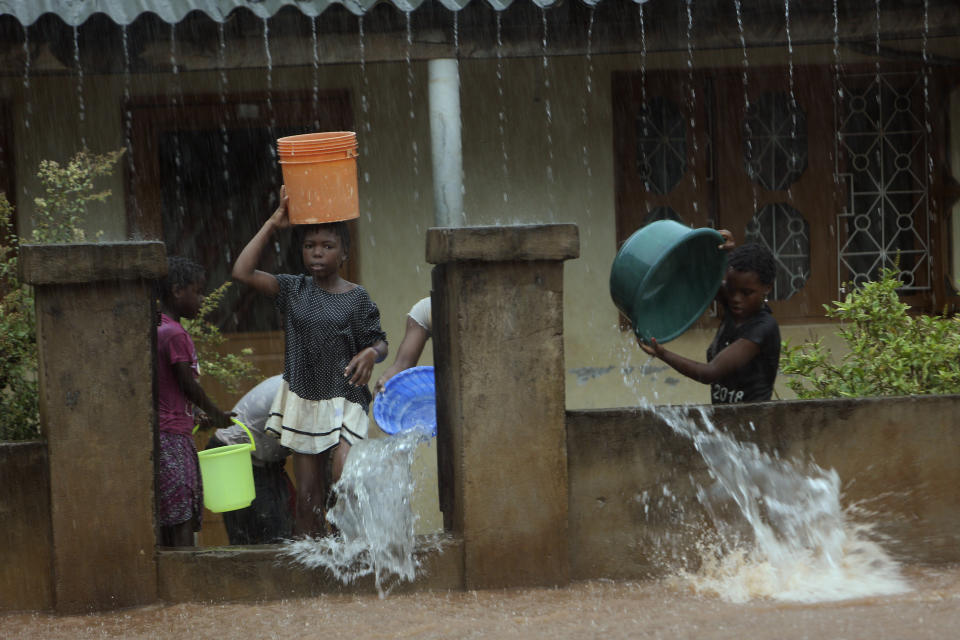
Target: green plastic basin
(665, 276)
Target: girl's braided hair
(181, 272)
(756, 258)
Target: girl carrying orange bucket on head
(743, 358)
(332, 340)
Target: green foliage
(19, 408)
(229, 369)
(890, 352)
(58, 217)
(60, 213)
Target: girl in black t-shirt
(743, 357)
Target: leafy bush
(890, 352)
(230, 369)
(67, 190)
(19, 408)
(59, 217)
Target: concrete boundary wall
(896, 458)
(258, 573)
(25, 536)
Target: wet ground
(596, 609)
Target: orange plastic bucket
(320, 174)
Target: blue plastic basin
(408, 401)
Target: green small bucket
(227, 474)
(665, 276)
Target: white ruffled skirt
(313, 426)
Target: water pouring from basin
(375, 524)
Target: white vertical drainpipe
(445, 142)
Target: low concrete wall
(258, 573)
(895, 456)
(25, 539)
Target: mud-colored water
(602, 609)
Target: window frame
(729, 197)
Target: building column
(445, 142)
(95, 336)
(498, 353)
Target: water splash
(793, 161)
(927, 127)
(502, 115)
(365, 125)
(127, 111)
(585, 118)
(779, 529)
(548, 112)
(176, 102)
(315, 48)
(747, 127)
(648, 206)
(692, 106)
(376, 525)
(838, 90)
(365, 87)
(224, 132)
(414, 148)
(643, 56)
(27, 104)
(269, 57)
(81, 103)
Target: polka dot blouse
(323, 332)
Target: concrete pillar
(95, 334)
(498, 354)
(445, 142)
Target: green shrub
(890, 352)
(19, 409)
(67, 190)
(230, 369)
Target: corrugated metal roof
(76, 12)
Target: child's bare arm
(361, 365)
(192, 389)
(408, 353)
(733, 357)
(245, 268)
(728, 242)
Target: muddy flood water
(595, 609)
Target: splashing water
(788, 538)
(548, 113)
(27, 106)
(376, 525)
(502, 116)
(81, 102)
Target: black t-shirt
(754, 381)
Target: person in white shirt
(419, 323)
